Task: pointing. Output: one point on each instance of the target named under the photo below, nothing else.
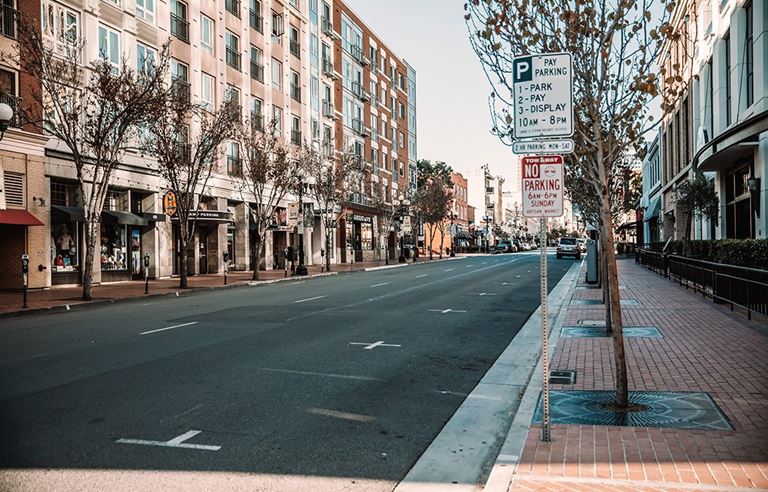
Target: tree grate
(597, 331)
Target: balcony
(328, 109)
(257, 121)
(256, 21)
(327, 28)
(374, 68)
(357, 54)
(374, 135)
(180, 28)
(181, 90)
(296, 137)
(359, 91)
(8, 18)
(295, 48)
(15, 103)
(233, 58)
(329, 71)
(234, 166)
(374, 100)
(257, 71)
(233, 7)
(295, 93)
(359, 128)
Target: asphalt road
(329, 383)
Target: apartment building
(307, 64)
(456, 225)
(719, 124)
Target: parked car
(506, 247)
(568, 246)
(526, 246)
(582, 244)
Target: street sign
(293, 214)
(543, 87)
(543, 186)
(534, 147)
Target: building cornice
(23, 142)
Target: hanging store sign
(169, 203)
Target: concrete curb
(509, 455)
(469, 445)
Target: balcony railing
(296, 93)
(180, 28)
(357, 126)
(183, 152)
(233, 7)
(359, 91)
(181, 90)
(296, 137)
(328, 110)
(233, 58)
(328, 70)
(257, 71)
(256, 21)
(327, 149)
(257, 121)
(15, 103)
(295, 48)
(234, 166)
(8, 18)
(357, 54)
(327, 27)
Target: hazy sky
(451, 89)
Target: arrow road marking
(310, 299)
(371, 346)
(444, 311)
(169, 328)
(176, 442)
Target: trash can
(592, 263)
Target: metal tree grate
(590, 331)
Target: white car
(567, 246)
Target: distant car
(506, 247)
(568, 246)
(582, 244)
(526, 246)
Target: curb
(470, 443)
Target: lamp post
(453, 235)
(402, 204)
(6, 116)
(304, 182)
(486, 219)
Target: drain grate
(562, 377)
(670, 409)
(596, 331)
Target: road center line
(379, 285)
(449, 270)
(169, 328)
(310, 299)
(321, 374)
(422, 275)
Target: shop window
(366, 235)
(62, 194)
(64, 241)
(114, 256)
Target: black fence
(742, 287)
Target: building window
(401, 108)
(277, 117)
(207, 91)
(739, 217)
(233, 50)
(295, 86)
(145, 9)
(206, 33)
(294, 3)
(9, 95)
(295, 130)
(402, 140)
(233, 7)
(179, 22)
(727, 48)
(145, 57)
(61, 24)
(256, 20)
(294, 45)
(257, 64)
(278, 27)
(234, 164)
(711, 96)
(277, 75)
(749, 50)
(109, 45)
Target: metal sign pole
(544, 334)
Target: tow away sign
(543, 86)
(543, 186)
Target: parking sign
(543, 87)
(543, 186)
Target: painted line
(371, 346)
(176, 442)
(379, 285)
(320, 374)
(422, 275)
(449, 270)
(355, 417)
(444, 311)
(310, 299)
(481, 294)
(169, 328)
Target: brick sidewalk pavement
(11, 301)
(704, 348)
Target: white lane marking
(371, 346)
(67, 306)
(507, 283)
(517, 276)
(444, 311)
(356, 417)
(176, 442)
(422, 275)
(321, 374)
(379, 285)
(483, 263)
(481, 294)
(169, 328)
(310, 299)
(449, 270)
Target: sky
(453, 120)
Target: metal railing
(257, 71)
(15, 103)
(233, 58)
(180, 28)
(327, 27)
(234, 166)
(233, 7)
(181, 89)
(295, 92)
(295, 48)
(743, 287)
(256, 21)
(328, 109)
(8, 18)
(296, 137)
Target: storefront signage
(362, 218)
(543, 186)
(293, 214)
(211, 215)
(169, 203)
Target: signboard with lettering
(543, 87)
(293, 214)
(543, 186)
(554, 146)
(169, 203)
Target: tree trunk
(617, 334)
(328, 233)
(431, 238)
(91, 230)
(442, 239)
(183, 273)
(605, 287)
(260, 246)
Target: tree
(336, 175)
(268, 174)
(433, 200)
(427, 171)
(186, 138)
(386, 212)
(94, 110)
(614, 45)
(696, 197)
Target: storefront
(359, 237)
(207, 247)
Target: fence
(742, 287)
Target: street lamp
(401, 204)
(453, 235)
(486, 219)
(6, 116)
(305, 182)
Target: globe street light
(401, 204)
(305, 182)
(6, 116)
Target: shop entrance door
(203, 253)
(137, 267)
(358, 242)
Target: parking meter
(25, 263)
(146, 260)
(146, 273)
(25, 275)
(226, 266)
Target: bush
(751, 253)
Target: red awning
(18, 217)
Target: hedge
(752, 253)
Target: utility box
(592, 263)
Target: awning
(123, 218)
(67, 214)
(627, 225)
(153, 217)
(18, 217)
(652, 212)
(208, 217)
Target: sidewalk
(704, 348)
(67, 297)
